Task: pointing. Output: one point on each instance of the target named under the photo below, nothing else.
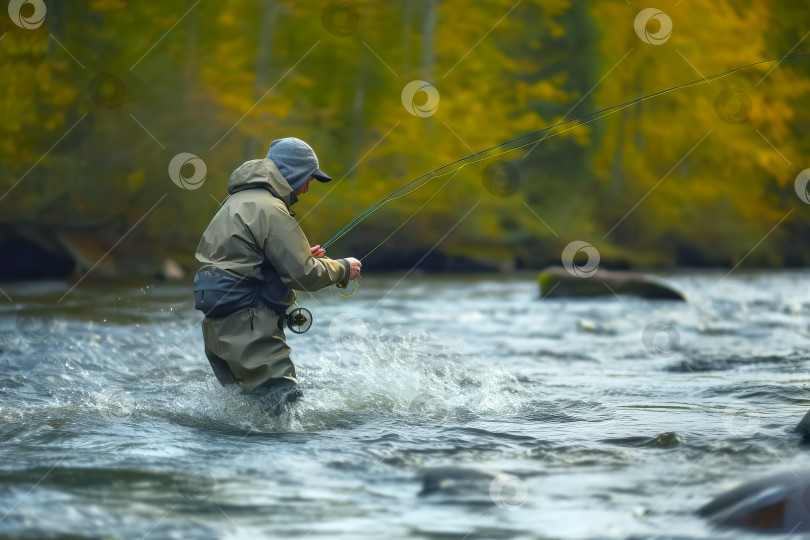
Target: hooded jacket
(253, 249)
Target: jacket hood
(262, 173)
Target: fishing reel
(299, 320)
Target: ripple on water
(562, 394)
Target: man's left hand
(317, 251)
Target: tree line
(101, 97)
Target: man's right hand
(354, 267)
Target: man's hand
(354, 267)
(317, 251)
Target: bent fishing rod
(469, 160)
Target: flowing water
(617, 417)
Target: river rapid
(612, 417)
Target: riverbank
(32, 253)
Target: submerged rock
(670, 439)
(775, 504)
(555, 281)
(455, 480)
(473, 486)
(170, 270)
(33, 253)
(804, 427)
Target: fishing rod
(607, 111)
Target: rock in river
(455, 480)
(555, 281)
(775, 504)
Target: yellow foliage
(243, 72)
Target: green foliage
(222, 79)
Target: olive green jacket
(255, 226)
(254, 232)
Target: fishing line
(344, 285)
(416, 212)
(597, 115)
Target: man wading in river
(250, 258)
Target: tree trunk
(428, 48)
(617, 172)
(428, 35)
(268, 28)
(617, 166)
(407, 16)
(192, 25)
(357, 122)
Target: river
(615, 417)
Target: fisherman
(250, 260)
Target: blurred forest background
(98, 99)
